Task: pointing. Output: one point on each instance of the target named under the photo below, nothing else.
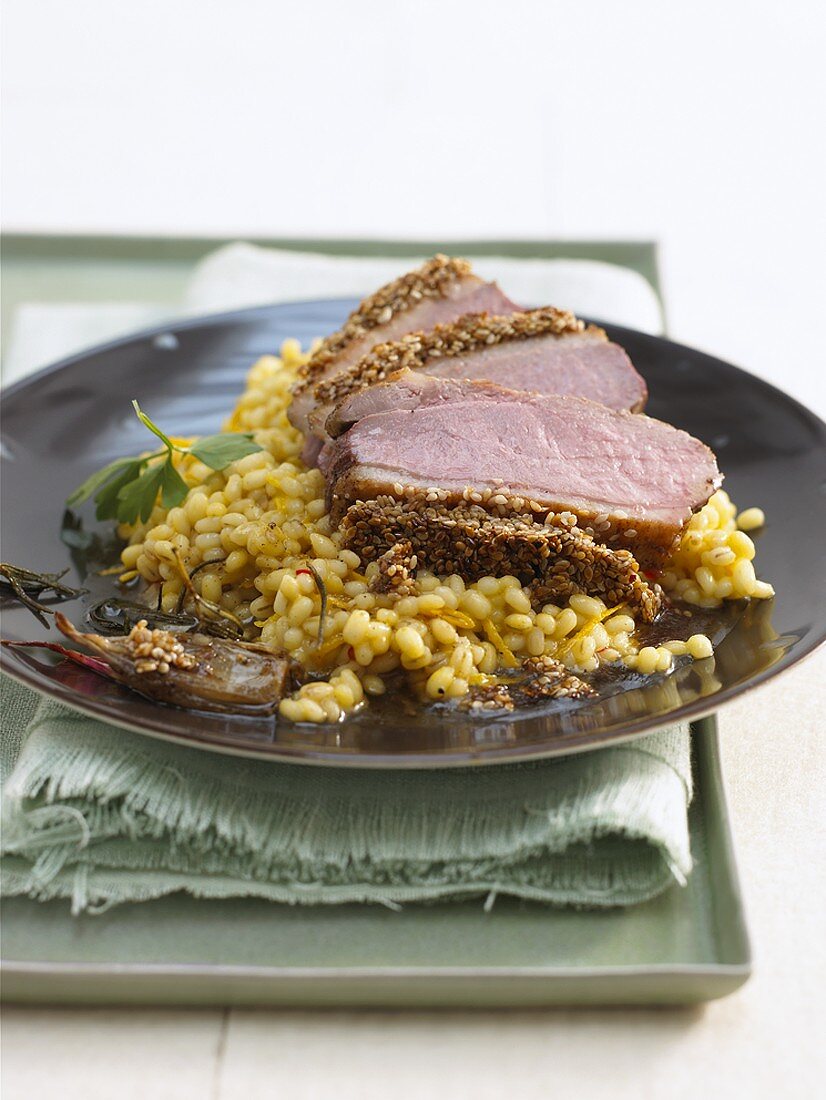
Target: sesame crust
(471, 332)
(650, 541)
(431, 280)
(397, 567)
(550, 679)
(156, 650)
(555, 559)
(545, 679)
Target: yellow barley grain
(343, 695)
(332, 711)
(585, 648)
(486, 586)
(516, 598)
(515, 640)
(751, 519)
(718, 556)
(546, 622)
(587, 606)
(742, 545)
(443, 632)
(723, 588)
(519, 622)
(565, 623)
(236, 561)
(291, 709)
(699, 646)
(743, 578)
(409, 642)
(430, 603)
(647, 660)
(310, 711)
(600, 636)
(289, 587)
(355, 631)
(300, 611)
(415, 663)
(461, 660)
(323, 546)
(387, 662)
(664, 659)
(379, 637)
(293, 638)
(476, 604)
(306, 584)
(705, 579)
(210, 586)
(489, 662)
(439, 682)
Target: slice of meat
(401, 392)
(556, 559)
(633, 480)
(440, 290)
(541, 350)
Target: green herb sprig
(127, 488)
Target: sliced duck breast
(541, 351)
(631, 480)
(440, 290)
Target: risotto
(256, 540)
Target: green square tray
(686, 946)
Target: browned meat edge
(651, 541)
(557, 560)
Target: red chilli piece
(298, 572)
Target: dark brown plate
(68, 420)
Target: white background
(701, 125)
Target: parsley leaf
(137, 498)
(84, 491)
(106, 499)
(217, 451)
(128, 488)
(173, 486)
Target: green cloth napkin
(100, 815)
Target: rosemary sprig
(126, 489)
(27, 586)
(322, 591)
